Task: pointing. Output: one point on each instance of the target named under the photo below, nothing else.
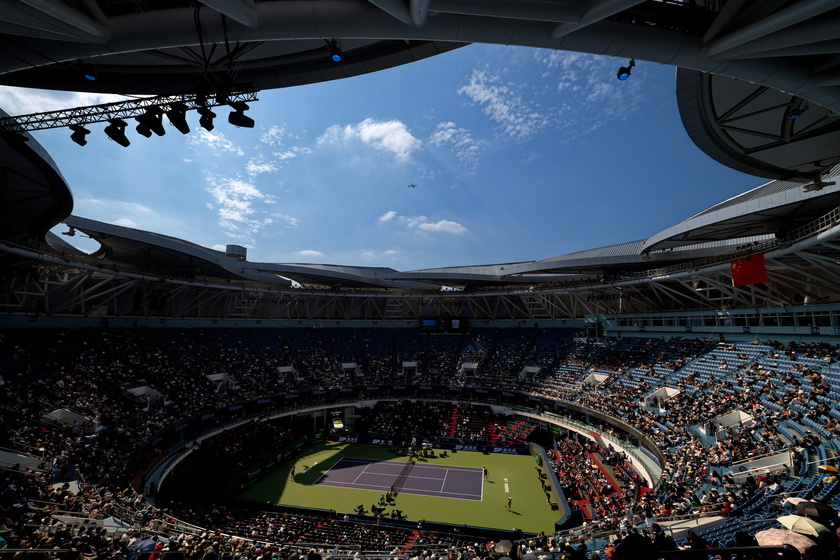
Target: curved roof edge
(772, 208)
(35, 196)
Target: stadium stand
(88, 475)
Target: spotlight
(206, 120)
(624, 72)
(143, 129)
(151, 121)
(88, 73)
(79, 134)
(116, 132)
(177, 115)
(71, 232)
(794, 112)
(335, 51)
(238, 118)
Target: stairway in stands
(607, 471)
(585, 508)
(493, 434)
(410, 540)
(453, 422)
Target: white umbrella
(802, 525)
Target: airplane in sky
(411, 185)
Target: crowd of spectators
(91, 372)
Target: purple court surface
(423, 479)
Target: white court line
(450, 495)
(360, 474)
(443, 482)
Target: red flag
(748, 270)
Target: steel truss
(39, 284)
(120, 110)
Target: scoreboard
(454, 325)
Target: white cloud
(310, 253)
(133, 215)
(125, 222)
(503, 105)
(119, 212)
(283, 156)
(236, 200)
(444, 226)
(466, 147)
(586, 81)
(371, 255)
(386, 136)
(289, 220)
(273, 136)
(256, 167)
(422, 223)
(215, 141)
(22, 101)
(292, 152)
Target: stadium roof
(758, 215)
(745, 67)
(758, 88)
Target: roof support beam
(593, 11)
(825, 47)
(419, 12)
(781, 19)
(396, 9)
(812, 32)
(536, 10)
(727, 13)
(240, 11)
(68, 16)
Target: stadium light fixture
(335, 53)
(238, 118)
(151, 121)
(625, 71)
(793, 112)
(206, 120)
(143, 129)
(116, 132)
(88, 73)
(177, 115)
(79, 135)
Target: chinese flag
(748, 270)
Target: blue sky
(518, 154)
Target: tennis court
(464, 483)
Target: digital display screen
(444, 325)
